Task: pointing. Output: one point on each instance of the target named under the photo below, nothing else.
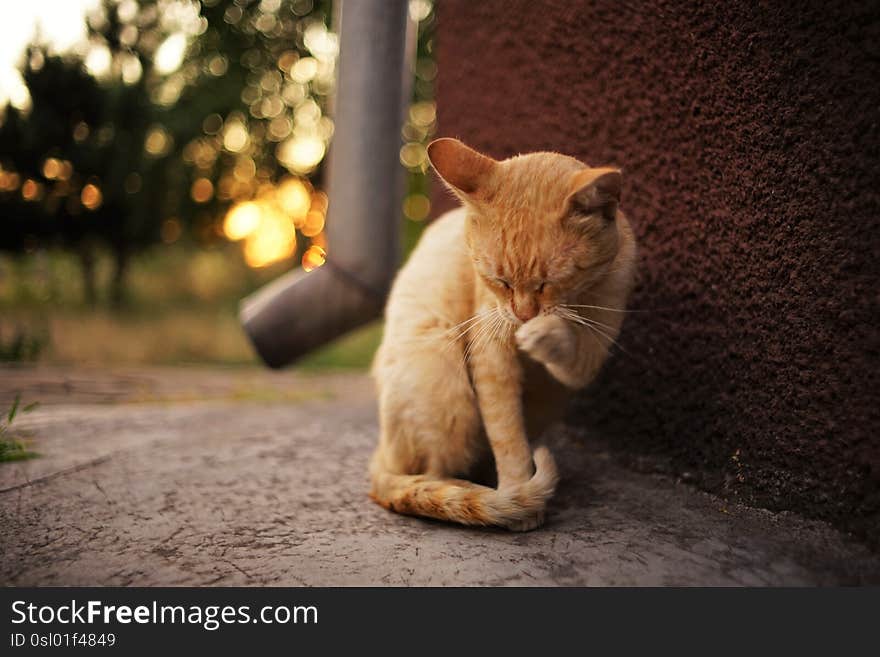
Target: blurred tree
(267, 68)
(89, 152)
(134, 47)
(256, 94)
(174, 111)
(42, 157)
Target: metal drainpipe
(301, 311)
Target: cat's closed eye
(503, 283)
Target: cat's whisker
(606, 336)
(599, 342)
(506, 328)
(565, 311)
(489, 318)
(473, 323)
(451, 341)
(474, 345)
(491, 333)
(500, 329)
(460, 325)
(577, 317)
(488, 335)
(461, 332)
(614, 310)
(593, 325)
(580, 319)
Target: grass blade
(14, 409)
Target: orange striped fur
(506, 305)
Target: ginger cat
(506, 305)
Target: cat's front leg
(498, 383)
(564, 349)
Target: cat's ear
(595, 192)
(466, 171)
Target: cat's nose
(526, 311)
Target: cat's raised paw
(546, 338)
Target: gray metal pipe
(301, 311)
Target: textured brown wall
(748, 133)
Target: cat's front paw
(546, 338)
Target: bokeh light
(245, 169)
(51, 168)
(301, 154)
(31, 190)
(294, 199)
(320, 202)
(202, 190)
(127, 10)
(99, 60)
(91, 197)
(413, 155)
(158, 142)
(313, 224)
(423, 114)
(81, 132)
(242, 220)
(268, 222)
(131, 69)
(314, 257)
(419, 9)
(169, 56)
(9, 181)
(235, 136)
(218, 65)
(416, 207)
(275, 239)
(324, 45)
(304, 70)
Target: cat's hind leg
(428, 416)
(431, 436)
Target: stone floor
(245, 477)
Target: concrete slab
(238, 490)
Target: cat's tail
(455, 500)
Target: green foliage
(354, 351)
(181, 309)
(22, 345)
(11, 447)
